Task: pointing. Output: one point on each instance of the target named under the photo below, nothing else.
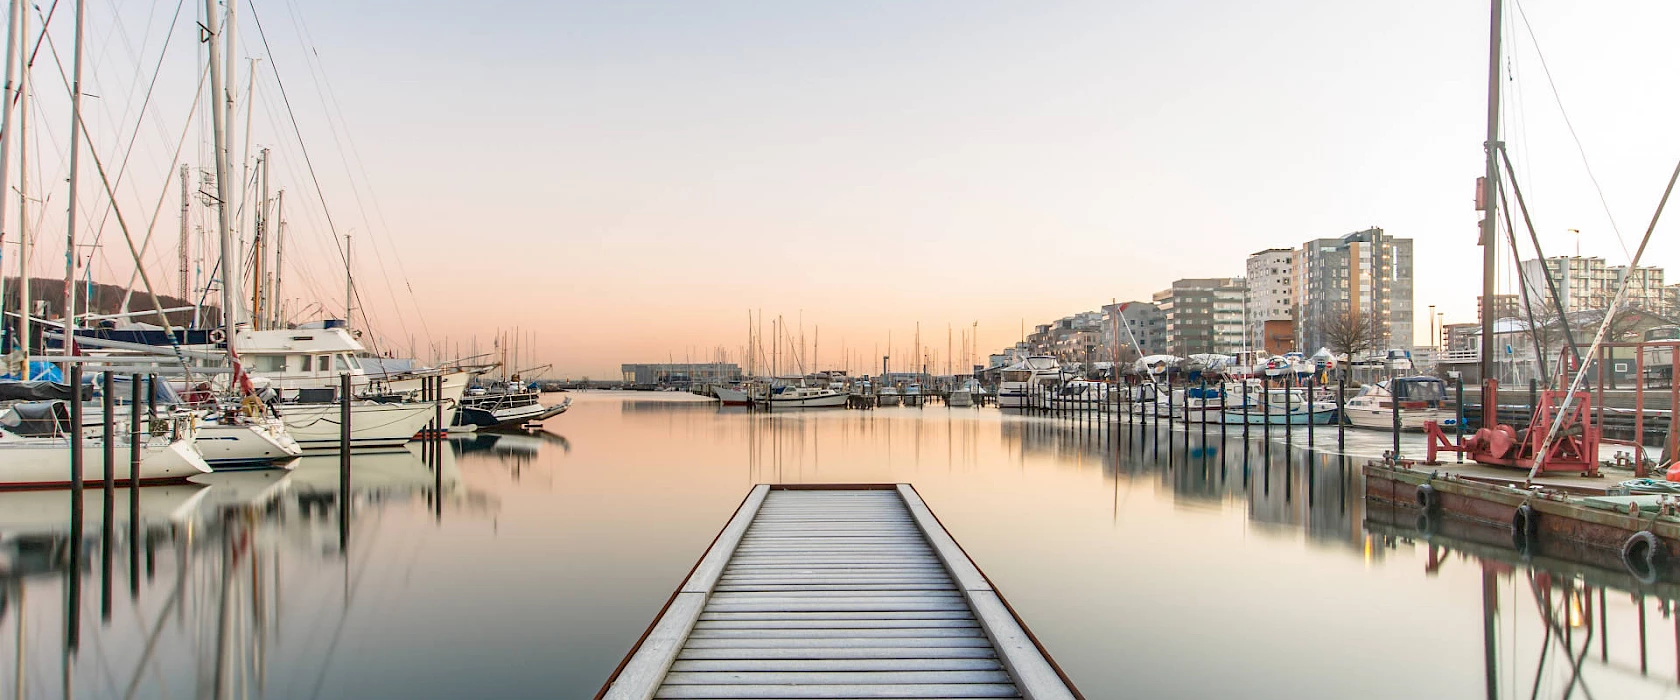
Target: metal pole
(74, 576)
(1458, 426)
(1312, 414)
(1490, 204)
(230, 258)
(1394, 410)
(108, 483)
(1341, 412)
(1289, 409)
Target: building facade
(1366, 275)
(1138, 325)
(1589, 283)
(681, 373)
(1203, 315)
(1271, 300)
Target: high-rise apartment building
(1203, 315)
(1271, 300)
(1585, 283)
(1364, 275)
(1139, 325)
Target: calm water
(1147, 570)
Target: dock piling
(344, 460)
(134, 534)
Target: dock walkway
(836, 593)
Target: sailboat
(35, 450)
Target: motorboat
(512, 404)
(1079, 395)
(1027, 379)
(963, 396)
(1419, 399)
(887, 396)
(1276, 406)
(913, 395)
(731, 396)
(806, 397)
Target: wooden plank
(837, 665)
(642, 675)
(876, 652)
(1034, 675)
(965, 690)
(832, 677)
(707, 571)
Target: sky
(622, 182)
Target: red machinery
(1573, 451)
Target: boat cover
(36, 418)
(39, 391)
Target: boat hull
(246, 446)
(1383, 419)
(316, 426)
(829, 401)
(1316, 417)
(731, 397)
(960, 399)
(45, 463)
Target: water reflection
(1151, 563)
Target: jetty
(845, 591)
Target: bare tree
(1350, 334)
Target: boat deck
(854, 592)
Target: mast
(224, 213)
(1490, 186)
(279, 257)
(259, 277)
(25, 245)
(75, 150)
(186, 242)
(13, 39)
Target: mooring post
(1341, 411)
(1394, 412)
(1458, 425)
(1245, 414)
(108, 484)
(1289, 410)
(72, 623)
(134, 533)
(1169, 406)
(343, 460)
(1203, 407)
(1312, 410)
(437, 419)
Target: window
(268, 363)
(308, 363)
(340, 363)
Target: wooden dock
(836, 592)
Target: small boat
(508, 405)
(913, 395)
(806, 397)
(963, 396)
(731, 396)
(1079, 395)
(1420, 400)
(1281, 407)
(887, 396)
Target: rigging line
(1579, 148)
(1604, 327)
(330, 98)
(1551, 284)
(285, 98)
(139, 264)
(1522, 284)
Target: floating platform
(1564, 517)
(836, 592)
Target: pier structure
(836, 592)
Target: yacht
(806, 397)
(1079, 395)
(1026, 379)
(1420, 400)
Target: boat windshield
(1017, 375)
(1420, 390)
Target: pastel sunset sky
(625, 180)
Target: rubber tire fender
(1525, 523)
(1643, 555)
(1427, 498)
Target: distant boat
(1420, 400)
(913, 395)
(807, 397)
(963, 396)
(1079, 395)
(512, 404)
(731, 396)
(1024, 380)
(887, 396)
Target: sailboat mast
(349, 284)
(279, 258)
(1490, 202)
(13, 38)
(75, 151)
(224, 213)
(26, 247)
(259, 275)
(185, 247)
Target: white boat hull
(828, 401)
(45, 462)
(246, 444)
(316, 426)
(886, 399)
(960, 398)
(731, 397)
(1383, 419)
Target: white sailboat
(35, 450)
